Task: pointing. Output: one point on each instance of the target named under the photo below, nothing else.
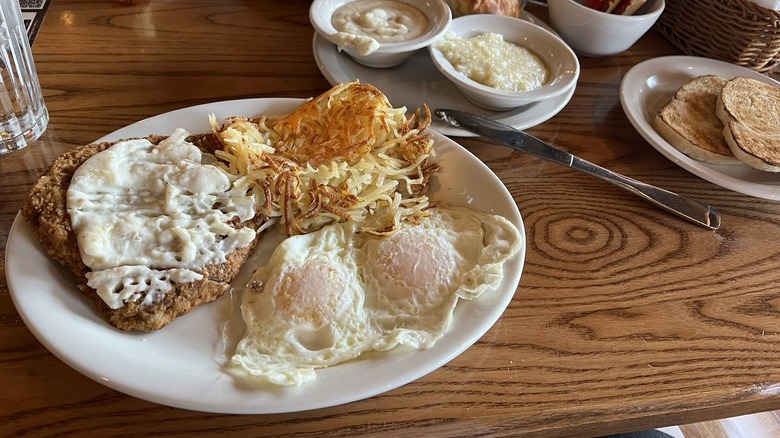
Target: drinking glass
(23, 115)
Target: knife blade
(686, 208)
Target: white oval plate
(650, 84)
(418, 81)
(181, 365)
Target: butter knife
(686, 208)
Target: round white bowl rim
(476, 23)
(615, 17)
(440, 18)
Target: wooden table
(626, 317)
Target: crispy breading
(45, 210)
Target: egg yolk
(413, 266)
(314, 292)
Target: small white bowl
(594, 33)
(388, 54)
(560, 60)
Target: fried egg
(329, 296)
(414, 278)
(304, 309)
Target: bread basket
(736, 31)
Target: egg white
(303, 310)
(414, 278)
(329, 296)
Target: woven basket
(737, 31)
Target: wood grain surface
(625, 318)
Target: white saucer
(650, 84)
(417, 81)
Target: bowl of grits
(501, 63)
(380, 33)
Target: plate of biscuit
(703, 115)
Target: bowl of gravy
(380, 33)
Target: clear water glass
(23, 115)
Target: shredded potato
(345, 155)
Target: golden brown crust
(332, 135)
(44, 209)
(186, 297)
(750, 112)
(689, 123)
